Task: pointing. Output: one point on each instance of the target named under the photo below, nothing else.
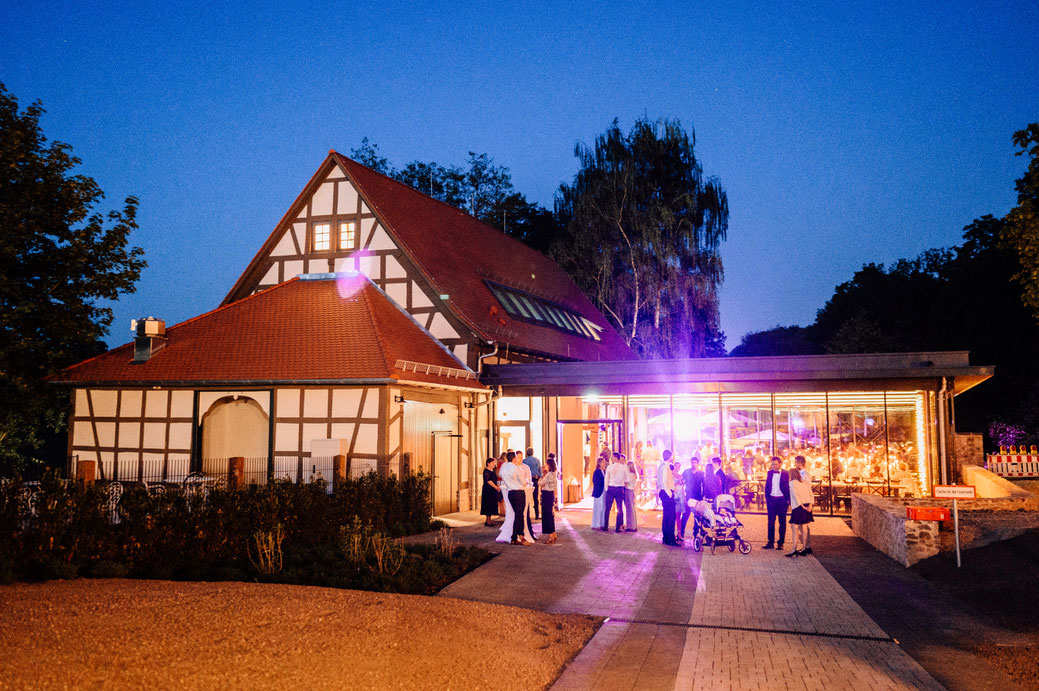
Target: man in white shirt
(513, 483)
(616, 480)
(666, 483)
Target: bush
(306, 533)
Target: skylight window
(540, 311)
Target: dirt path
(161, 634)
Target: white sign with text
(954, 492)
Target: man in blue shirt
(534, 463)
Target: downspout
(479, 363)
(943, 460)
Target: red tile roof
(303, 330)
(458, 253)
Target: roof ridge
(438, 201)
(211, 312)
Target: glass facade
(861, 441)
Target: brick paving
(668, 609)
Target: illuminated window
(322, 234)
(540, 311)
(347, 235)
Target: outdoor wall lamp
(398, 399)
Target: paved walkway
(678, 619)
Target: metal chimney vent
(149, 338)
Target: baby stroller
(718, 525)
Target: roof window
(530, 308)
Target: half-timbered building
(358, 329)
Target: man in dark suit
(777, 499)
(694, 479)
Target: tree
(481, 189)
(642, 234)
(1022, 230)
(60, 258)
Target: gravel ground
(120, 633)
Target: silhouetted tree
(60, 259)
(643, 227)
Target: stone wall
(967, 449)
(1002, 510)
(882, 522)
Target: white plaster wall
(394, 269)
(285, 246)
(321, 202)
(288, 402)
(346, 402)
(293, 268)
(418, 296)
(182, 404)
(130, 403)
(380, 240)
(367, 438)
(315, 403)
(347, 198)
(155, 403)
(441, 329)
(398, 292)
(286, 437)
(371, 404)
(207, 398)
(104, 402)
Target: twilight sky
(843, 133)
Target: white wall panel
(346, 264)
(369, 266)
(381, 240)
(347, 203)
(371, 404)
(293, 268)
(367, 438)
(315, 403)
(286, 436)
(82, 408)
(418, 297)
(345, 403)
(129, 435)
(441, 329)
(394, 269)
(180, 435)
(343, 430)
(104, 402)
(288, 402)
(154, 435)
(321, 202)
(312, 432)
(130, 404)
(105, 433)
(285, 246)
(271, 276)
(183, 401)
(155, 403)
(82, 434)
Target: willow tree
(643, 227)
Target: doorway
(580, 442)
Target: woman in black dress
(489, 495)
(548, 501)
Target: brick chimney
(149, 338)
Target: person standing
(777, 499)
(631, 489)
(598, 496)
(666, 493)
(801, 516)
(694, 484)
(802, 467)
(489, 494)
(534, 463)
(513, 480)
(548, 501)
(616, 482)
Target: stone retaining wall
(1003, 510)
(882, 522)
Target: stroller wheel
(732, 546)
(697, 544)
(744, 547)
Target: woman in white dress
(510, 515)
